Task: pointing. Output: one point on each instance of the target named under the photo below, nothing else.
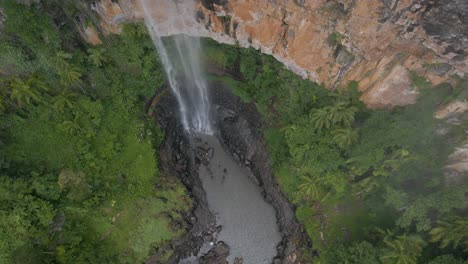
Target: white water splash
(186, 80)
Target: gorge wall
(378, 43)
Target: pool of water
(249, 225)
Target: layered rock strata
(379, 43)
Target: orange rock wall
(378, 43)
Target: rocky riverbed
(239, 134)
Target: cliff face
(375, 42)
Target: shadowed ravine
(240, 212)
(244, 221)
(248, 223)
(231, 209)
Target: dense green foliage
(79, 181)
(78, 168)
(368, 185)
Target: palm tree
(454, 232)
(366, 186)
(71, 127)
(339, 114)
(26, 91)
(97, 56)
(402, 249)
(345, 137)
(310, 189)
(134, 30)
(399, 157)
(62, 101)
(70, 76)
(320, 119)
(61, 60)
(385, 169)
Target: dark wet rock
(447, 21)
(210, 153)
(210, 4)
(175, 160)
(217, 255)
(238, 261)
(240, 132)
(440, 68)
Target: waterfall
(181, 62)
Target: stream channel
(239, 213)
(248, 223)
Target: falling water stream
(249, 225)
(182, 66)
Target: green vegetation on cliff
(79, 180)
(369, 185)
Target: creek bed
(237, 213)
(248, 223)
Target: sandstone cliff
(378, 43)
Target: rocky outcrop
(90, 35)
(376, 42)
(458, 161)
(453, 109)
(455, 113)
(176, 160)
(217, 254)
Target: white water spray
(186, 80)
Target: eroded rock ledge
(239, 130)
(376, 42)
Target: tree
(404, 249)
(70, 77)
(338, 114)
(355, 253)
(74, 183)
(421, 212)
(383, 170)
(26, 92)
(345, 137)
(366, 186)
(62, 101)
(134, 30)
(341, 113)
(61, 59)
(398, 158)
(97, 56)
(71, 127)
(310, 188)
(320, 119)
(447, 259)
(453, 232)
